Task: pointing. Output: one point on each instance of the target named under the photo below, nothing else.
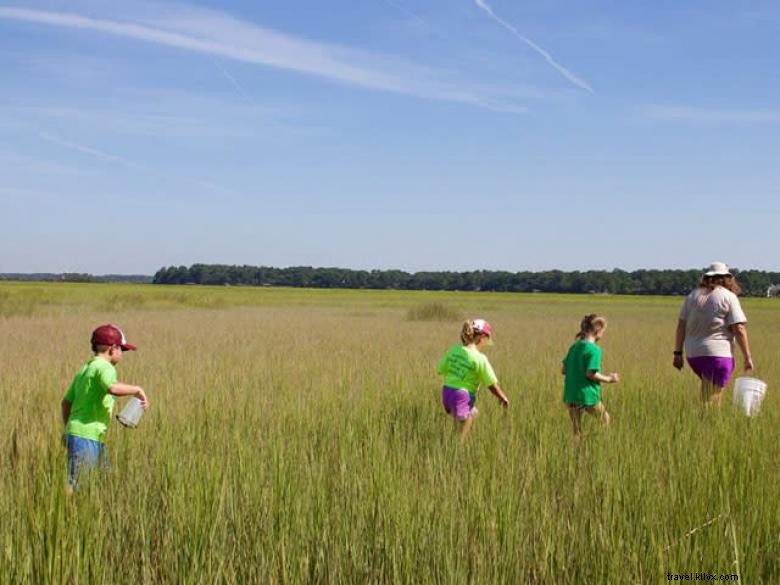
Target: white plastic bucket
(131, 414)
(748, 394)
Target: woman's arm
(496, 390)
(740, 333)
(679, 341)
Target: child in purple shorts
(465, 368)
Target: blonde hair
(727, 281)
(590, 324)
(468, 334)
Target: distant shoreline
(76, 277)
(664, 282)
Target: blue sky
(413, 134)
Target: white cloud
(221, 35)
(170, 115)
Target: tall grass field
(297, 436)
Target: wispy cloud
(105, 156)
(13, 163)
(168, 115)
(698, 115)
(221, 35)
(547, 56)
(400, 7)
(94, 152)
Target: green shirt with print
(583, 356)
(91, 404)
(465, 368)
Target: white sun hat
(718, 269)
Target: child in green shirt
(87, 405)
(582, 368)
(465, 368)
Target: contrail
(405, 10)
(128, 163)
(90, 151)
(547, 57)
(233, 81)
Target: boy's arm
(66, 406)
(122, 389)
(67, 402)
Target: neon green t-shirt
(91, 404)
(466, 368)
(583, 356)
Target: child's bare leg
(465, 427)
(600, 411)
(575, 414)
(467, 424)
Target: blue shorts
(84, 454)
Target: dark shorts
(717, 370)
(457, 402)
(580, 407)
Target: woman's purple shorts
(717, 370)
(458, 403)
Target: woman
(711, 319)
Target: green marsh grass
(433, 311)
(296, 436)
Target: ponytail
(590, 324)
(467, 333)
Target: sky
(409, 134)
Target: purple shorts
(717, 370)
(458, 403)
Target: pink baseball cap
(482, 327)
(111, 335)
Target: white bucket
(132, 412)
(748, 394)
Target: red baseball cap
(111, 335)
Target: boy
(87, 406)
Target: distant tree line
(640, 282)
(75, 277)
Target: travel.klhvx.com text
(701, 577)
